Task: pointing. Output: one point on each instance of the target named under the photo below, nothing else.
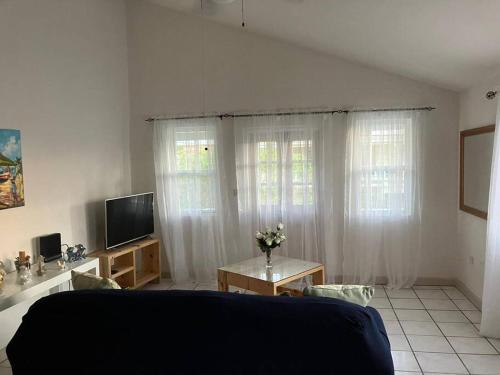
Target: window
(285, 172)
(195, 172)
(385, 168)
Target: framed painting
(11, 169)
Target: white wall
(64, 84)
(475, 111)
(248, 72)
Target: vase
(269, 262)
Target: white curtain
(285, 167)
(192, 197)
(490, 323)
(383, 193)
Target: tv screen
(128, 219)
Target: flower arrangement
(268, 240)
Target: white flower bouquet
(269, 239)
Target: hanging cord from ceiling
(203, 53)
(203, 68)
(243, 13)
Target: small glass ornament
(24, 275)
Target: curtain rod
(224, 115)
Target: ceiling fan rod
(243, 13)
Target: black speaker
(50, 246)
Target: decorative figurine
(61, 264)
(22, 260)
(41, 266)
(64, 256)
(75, 253)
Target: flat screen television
(128, 218)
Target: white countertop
(13, 293)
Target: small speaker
(50, 246)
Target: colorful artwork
(11, 169)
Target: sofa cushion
(358, 294)
(89, 281)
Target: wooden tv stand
(132, 265)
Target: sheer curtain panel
(285, 167)
(192, 197)
(383, 189)
(490, 323)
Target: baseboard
(438, 281)
(476, 301)
(382, 280)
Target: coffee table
(253, 275)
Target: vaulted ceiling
(450, 43)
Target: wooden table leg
(222, 281)
(318, 277)
(268, 290)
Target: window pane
(195, 155)
(383, 173)
(195, 169)
(298, 195)
(268, 194)
(298, 173)
(277, 173)
(298, 150)
(267, 173)
(302, 172)
(310, 194)
(267, 151)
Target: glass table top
(283, 268)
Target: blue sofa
(198, 332)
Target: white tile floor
(433, 330)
